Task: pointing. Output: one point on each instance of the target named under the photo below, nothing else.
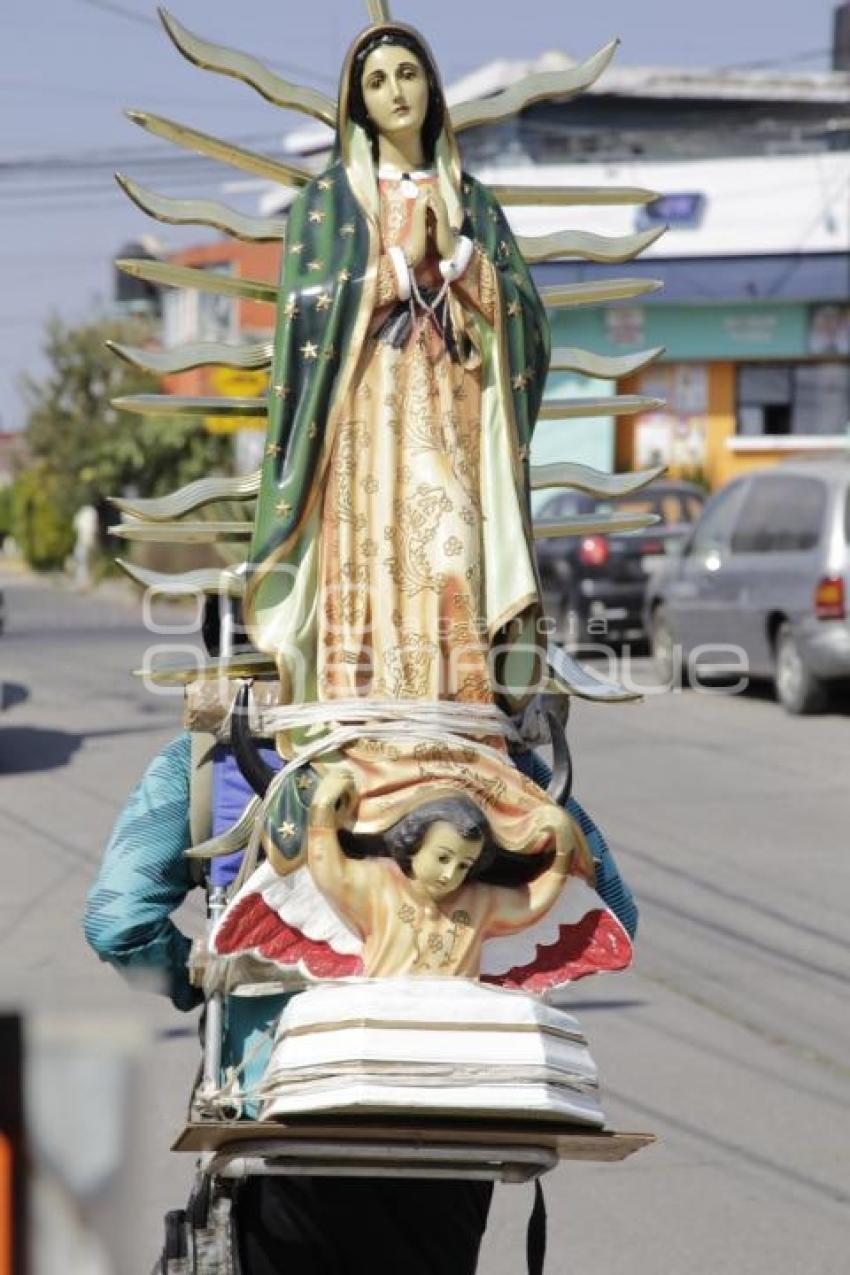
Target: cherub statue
(434, 895)
(428, 907)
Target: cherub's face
(395, 90)
(444, 860)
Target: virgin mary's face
(395, 90)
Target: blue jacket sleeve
(144, 877)
(610, 886)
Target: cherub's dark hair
(494, 865)
(434, 116)
(405, 838)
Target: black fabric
(535, 1240)
(396, 328)
(355, 1226)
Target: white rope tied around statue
(437, 716)
(394, 720)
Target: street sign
(234, 382)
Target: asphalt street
(729, 1039)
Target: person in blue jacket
(318, 1226)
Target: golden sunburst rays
(607, 249)
(202, 212)
(173, 276)
(593, 525)
(273, 170)
(378, 11)
(197, 533)
(248, 69)
(541, 86)
(557, 409)
(597, 291)
(174, 405)
(594, 482)
(228, 581)
(185, 358)
(191, 498)
(552, 196)
(605, 367)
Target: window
(674, 507)
(712, 530)
(563, 506)
(780, 513)
(796, 398)
(199, 316)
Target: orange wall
(249, 261)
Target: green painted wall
(736, 332)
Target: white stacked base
(444, 1046)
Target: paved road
(730, 1039)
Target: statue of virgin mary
(392, 555)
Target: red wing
(577, 937)
(272, 918)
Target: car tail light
(652, 546)
(829, 598)
(593, 551)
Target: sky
(69, 67)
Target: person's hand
(441, 231)
(336, 798)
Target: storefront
(744, 384)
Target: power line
(110, 7)
(118, 11)
(93, 160)
(767, 64)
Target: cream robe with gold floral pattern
(401, 590)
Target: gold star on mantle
(281, 391)
(514, 309)
(348, 228)
(312, 429)
(315, 265)
(273, 449)
(344, 276)
(287, 829)
(290, 309)
(324, 183)
(295, 249)
(304, 782)
(323, 301)
(316, 216)
(283, 508)
(519, 382)
(310, 350)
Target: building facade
(753, 173)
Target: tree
(42, 528)
(94, 451)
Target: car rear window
(781, 513)
(673, 507)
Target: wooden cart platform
(510, 1151)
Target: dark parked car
(594, 585)
(767, 570)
